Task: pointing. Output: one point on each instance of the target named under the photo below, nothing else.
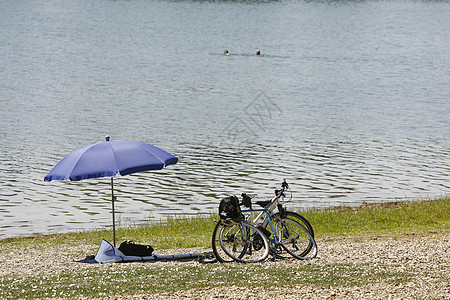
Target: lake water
(349, 101)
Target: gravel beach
(425, 257)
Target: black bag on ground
(132, 249)
(229, 208)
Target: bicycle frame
(267, 212)
(274, 202)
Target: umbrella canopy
(109, 158)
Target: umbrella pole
(113, 217)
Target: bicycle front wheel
(295, 238)
(244, 243)
(300, 219)
(220, 255)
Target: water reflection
(361, 91)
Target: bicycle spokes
(295, 238)
(248, 244)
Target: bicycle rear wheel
(220, 255)
(244, 243)
(295, 238)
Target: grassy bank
(382, 218)
(131, 279)
(395, 217)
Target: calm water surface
(349, 101)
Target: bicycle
(284, 230)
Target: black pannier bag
(132, 249)
(229, 208)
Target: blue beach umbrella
(107, 159)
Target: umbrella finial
(107, 138)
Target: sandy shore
(424, 256)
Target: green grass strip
(382, 218)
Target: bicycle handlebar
(284, 186)
(247, 199)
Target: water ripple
(355, 116)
